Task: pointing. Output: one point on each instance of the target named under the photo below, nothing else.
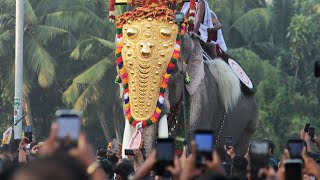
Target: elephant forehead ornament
(148, 49)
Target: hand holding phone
(259, 156)
(68, 122)
(129, 152)
(204, 140)
(28, 134)
(165, 156)
(229, 142)
(306, 127)
(293, 169)
(311, 133)
(295, 147)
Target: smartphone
(259, 156)
(28, 133)
(165, 156)
(204, 140)
(115, 145)
(293, 169)
(295, 148)
(129, 152)
(306, 127)
(311, 133)
(228, 141)
(68, 122)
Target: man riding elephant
(207, 25)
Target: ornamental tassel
(192, 13)
(111, 10)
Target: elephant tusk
(126, 138)
(163, 127)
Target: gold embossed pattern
(147, 51)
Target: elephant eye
(132, 32)
(165, 33)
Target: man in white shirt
(206, 19)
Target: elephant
(208, 106)
(216, 100)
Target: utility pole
(18, 83)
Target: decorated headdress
(141, 3)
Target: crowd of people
(47, 160)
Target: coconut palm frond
(47, 34)
(252, 23)
(6, 42)
(91, 94)
(88, 47)
(78, 52)
(40, 62)
(89, 77)
(6, 20)
(106, 43)
(30, 16)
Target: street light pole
(18, 84)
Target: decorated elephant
(153, 56)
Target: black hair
(107, 167)
(124, 169)
(272, 146)
(57, 166)
(33, 144)
(239, 166)
(102, 153)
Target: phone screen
(259, 148)
(295, 148)
(228, 141)
(68, 127)
(204, 142)
(165, 153)
(293, 169)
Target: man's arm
(199, 16)
(216, 23)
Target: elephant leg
(241, 147)
(149, 136)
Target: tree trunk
(104, 128)
(115, 123)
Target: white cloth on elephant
(207, 21)
(220, 40)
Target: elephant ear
(195, 67)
